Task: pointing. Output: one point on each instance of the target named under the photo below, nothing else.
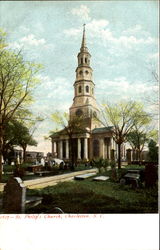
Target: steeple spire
(83, 45)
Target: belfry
(95, 141)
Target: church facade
(96, 141)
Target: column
(60, 150)
(54, 147)
(79, 149)
(111, 143)
(109, 149)
(102, 147)
(67, 149)
(86, 148)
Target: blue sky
(122, 37)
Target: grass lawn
(88, 196)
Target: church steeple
(84, 101)
(84, 56)
(83, 45)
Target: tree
(70, 127)
(137, 141)
(25, 139)
(152, 99)
(140, 133)
(153, 151)
(17, 79)
(17, 134)
(122, 116)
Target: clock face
(79, 112)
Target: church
(96, 141)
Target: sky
(122, 38)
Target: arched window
(86, 72)
(87, 89)
(80, 89)
(85, 60)
(81, 60)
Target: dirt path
(52, 180)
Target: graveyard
(87, 191)
(90, 196)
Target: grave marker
(14, 196)
(101, 178)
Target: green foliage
(98, 163)
(2, 39)
(69, 126)
(123, 116)
(16, 134)
(112, 164)
(137, 138)
(153, 151)
(153, 134)
(95, 197)
(18, 77)
(106, 164)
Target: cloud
(153, 56)
(83, 12)
(30, 41)
(99, 29)
(121, 88)
(53, 94)
(72, 32)
(133, 29)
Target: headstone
(151, 175)
(14, 196)
(84, 176)
(101, 178)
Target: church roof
(102, 130)
(57, 133)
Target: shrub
(105, 164)
(98, 163)
(113, 164)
